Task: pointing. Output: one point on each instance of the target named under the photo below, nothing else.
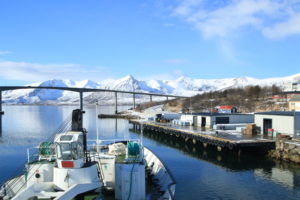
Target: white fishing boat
(70, 167)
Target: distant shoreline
(63, 104)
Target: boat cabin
(69, 149)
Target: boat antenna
(142, 133)
(97, 130)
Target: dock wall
(257, 146)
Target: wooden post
(116, 103)
(150, 98)
(167, 98)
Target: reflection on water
(286, 176)
(200, 173)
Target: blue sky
(161, 39)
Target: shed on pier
(208, 120)
(284, 122)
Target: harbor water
(200, 173)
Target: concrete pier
(220, 143)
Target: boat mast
(77, 125)
(97, 131)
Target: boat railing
(161, 173)
(111, 141)
(94, 143)
(120, 152)
(12, 186)
(33, 155)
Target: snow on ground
(150, 112)
(158, 109)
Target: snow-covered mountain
(184, 86)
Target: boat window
(74, 150)
(80, 150)
(66, 138)
(66, 151)
(80, 139)
(69, 151)
(58, 152)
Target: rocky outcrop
(286, 149)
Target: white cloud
(280, 30)
(4, 53)
(223, 18)
(186, 7)
(39, 72)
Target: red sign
(67, 164)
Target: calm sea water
(199, 173)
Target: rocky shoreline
(287, 149)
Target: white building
(208, 120)
(288, 87)
(284, 122)
(294, 103)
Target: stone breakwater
(287, 149)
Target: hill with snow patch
(184, 86)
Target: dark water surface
(199, 173)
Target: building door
(222, 120)
(203, 121)
(195, 123)
(267, 125)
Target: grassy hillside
(248, 99)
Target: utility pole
(116, 103)
(211, 109)
(81, 100)
(190, 108)
(133, 97)
(133, 101)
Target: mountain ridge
(184, 86)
